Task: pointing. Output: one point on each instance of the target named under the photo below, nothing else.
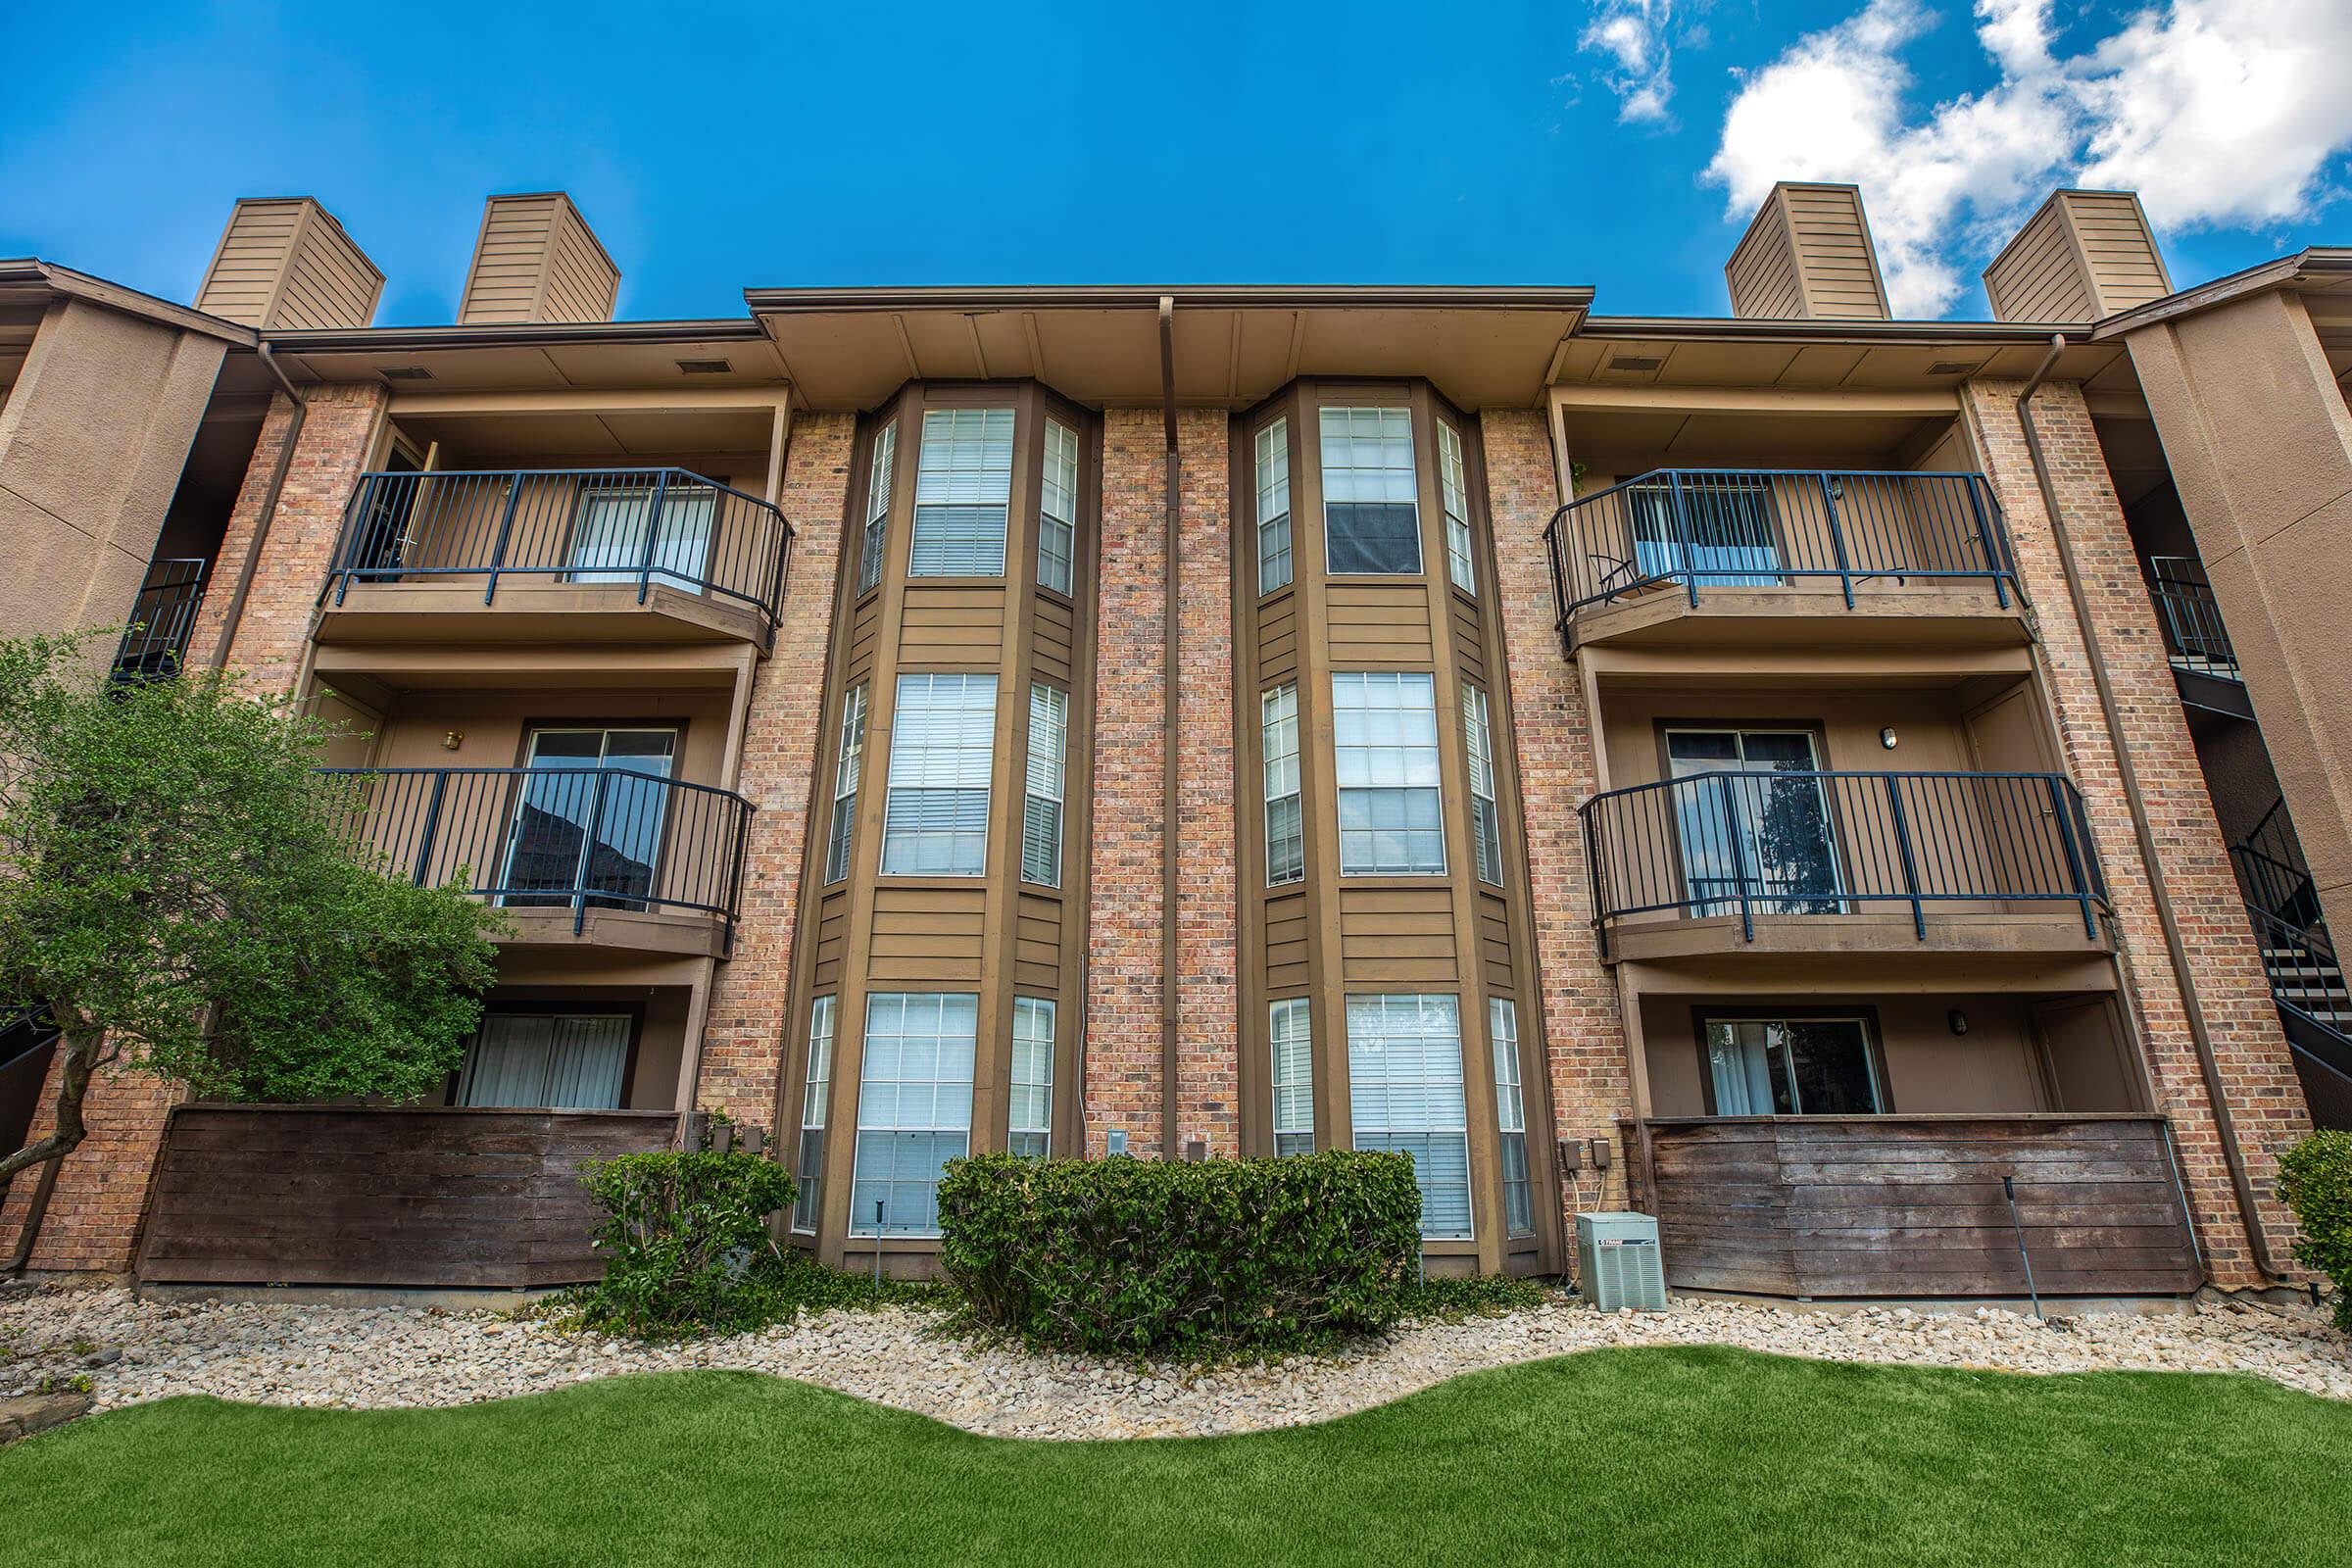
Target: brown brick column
(1584, 1035)
(743, 1038)
(337, 434)
(2259, 1078)
(1207, 911)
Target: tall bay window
(914, 1107)
(1405, 1094)
(847, 766)
(1274, 507)
(1057, 513)
(1286, 841)
(1029, 1118)
(1510, 1117)
(1486, 825)
(1453, 493)
(810, 1166)
(1288, 1023)
(877, 506)
(935, 821)
(1385, 734)
(1041, 804)
(963, 494)
(1371, 508)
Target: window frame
(1865, 1016)
(1478, 757)
(1296, 795)
(848, 761)
(1341, 790)
(1074, 491)
(951, 414)
(1270, 445)
(807, 1205)
(1031, 796)
(1511, 1115)
(1453, 487)
(865, 1057)
(1405, 411)
(1279, 1008)
(881, 480)
(899, 753)
(1015, 1084)
(634, 1011)
(1357, 1123)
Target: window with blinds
(560, 1060)
(1405, 1094)
(1510, 1115)
(1029, 1117)
(1286, 841)
(1371, 510)
(942, 735)
(810, 1167)
(1287, 1024)
(1453, 494)
(1385, 742)
(1058, 510)
(877, 506)
(1274, 507)
(963, 490)
(1040, 805)
(1485, 826)
(846, 766)
(914, 1107)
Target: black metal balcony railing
(557, 838)
(162, 620)
(644, 528)
(1772, 528)
(1764, 844)
(2194, 636)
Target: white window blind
(914, 1107)
(1385, 740)
(1453, 490)
(963, 489)
(564, 1060)
(846, 766)
(1485, 826)
(1511, 1115)
(1274, 507)
(877, 506)
(1057, 514)
(1371, 510)
(941, 747)
(1040, 805)
(1286, 842)
(1030, 1114)
(1405, 1094)
(808, 1169)
(1288, 1022)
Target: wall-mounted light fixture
(452, 739)
(1958, 1021)
(1887, 738)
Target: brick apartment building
(1785, 771)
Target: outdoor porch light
(1958, 1021)
(452, 739)
(1886, 737)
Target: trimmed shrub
(685, 1242)
(2314, 1180)
(1130, 1257)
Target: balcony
(618, 555)
(1766, 864)
(2195, 641)
(608, 856)
(1719, 554)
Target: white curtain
(566, 1061)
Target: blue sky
(1583, 141)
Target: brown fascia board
(1833, 330)
(2320, 262)
(512, 335)
(1234, 296)
(32, 272)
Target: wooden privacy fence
(1913, 1206)
(302, 1195)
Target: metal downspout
(261, 527)
(2242, 1185)
(1170, 796)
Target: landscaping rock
(26, 1414)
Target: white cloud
(1634, 34)
(2216, 111)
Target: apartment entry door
(1747, 833)
(615, 536)
(590, 824)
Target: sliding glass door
(1792, 1068)
(592, 825)
(564, 1061)
(1747, 833)
(609, 540)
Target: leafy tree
(180, 886)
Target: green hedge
(1129, 1255)
(2315, 1178)
(685, 1241)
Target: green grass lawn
(1615, 1457)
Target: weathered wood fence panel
(302, 1195)
(1913, 1206)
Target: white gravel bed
(365, 1357)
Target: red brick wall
(1207, 894)
(743, 1038)
(2256, 1074)
(93, 1218)
(1584, 1034)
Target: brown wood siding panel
(1286, 968)
(253, 252)
(1495, 944)
(863, 625)
(1914, 1205)
(1840, 276)
(1469, 644)
(832, 933)
(1278, 640)
(951, 628)
(2039, 279)
(1037, 944)
(1763, 272)
(2125, 269)
(1050, 641)
(1374, 624)
(326, 285)
(504, 283)
(582, 282)
(320, 1196)
(1405, 935)
(926, 935)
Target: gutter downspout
(1170, 796)
(2242, 1185)
(269, 514)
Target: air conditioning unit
(1617, 1262)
